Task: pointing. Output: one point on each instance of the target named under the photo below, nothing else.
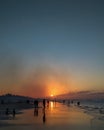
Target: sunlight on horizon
(52, 95)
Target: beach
(57, 116)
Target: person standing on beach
(78, 103)
(68, 102)
(63, 101)
(7, 111)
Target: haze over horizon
(51, 47)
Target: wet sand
(57, 117)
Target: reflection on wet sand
(56, 116)
(36, 112)
(44, 116)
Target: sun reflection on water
(51, 104)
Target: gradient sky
(51, 46)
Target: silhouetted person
(78, 103)
(68, 102)
(27, 101)
(2, 101)
(7, 111)
(100, 110)
(36, 103)
(44, 102)
(63, 101)
(55, 102)
(14, 112)
(72, 101)
(44, 116)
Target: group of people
(7, 112)
(36, 103)
(71, 102)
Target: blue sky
(66, 34)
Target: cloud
(83, 95)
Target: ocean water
(93, 103)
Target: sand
(57, 117)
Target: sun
(51, 95)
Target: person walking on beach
(44, 103)
(14, 112)
(36, 103)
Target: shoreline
(56, 117)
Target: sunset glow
(64, 53)
(51, 95)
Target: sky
(51, 46)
